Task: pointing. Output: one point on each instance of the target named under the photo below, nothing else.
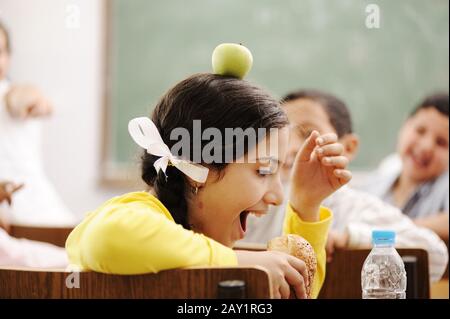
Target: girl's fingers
(344, 175)
(308, 147)
(336, 161)
(334, 149)
(285, 290)
(300, 266)
(276, 294)
(297, 282)
(326, 139)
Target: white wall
(67, 64)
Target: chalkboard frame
(111, 175)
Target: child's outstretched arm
(26, 101)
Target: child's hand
(25, 101)
(319, 170)
(285, 271)
(335, 240)
(7, 189)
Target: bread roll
(298, 247)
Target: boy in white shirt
(416, 178)
(355, 213)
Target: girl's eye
(267, 167)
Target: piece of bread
(298, 247)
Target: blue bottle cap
(383, 237)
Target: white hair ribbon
(146, 135)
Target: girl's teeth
(257, 214)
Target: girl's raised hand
(320, 168)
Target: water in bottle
(383, 275)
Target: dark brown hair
(219, 102)
(337, 111)
(438, 101)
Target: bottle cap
(383, 237)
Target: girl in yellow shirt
(194, 212)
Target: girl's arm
(132, 239)
(136, 240)
(316, 234)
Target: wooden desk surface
(53, 235)
(439, 290)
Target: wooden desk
(53, 235)
(343, 274)
(177, 283)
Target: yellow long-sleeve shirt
(135, 234)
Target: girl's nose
(275, 194)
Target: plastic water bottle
(383, 275)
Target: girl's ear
(193, 186)
(351, 145)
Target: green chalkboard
(381, 73)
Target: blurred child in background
(356, 213)
(21, 110)
(416, 178)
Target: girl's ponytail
(169, 188)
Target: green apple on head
(232, 59)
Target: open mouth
(420, 161)
(243, 219)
